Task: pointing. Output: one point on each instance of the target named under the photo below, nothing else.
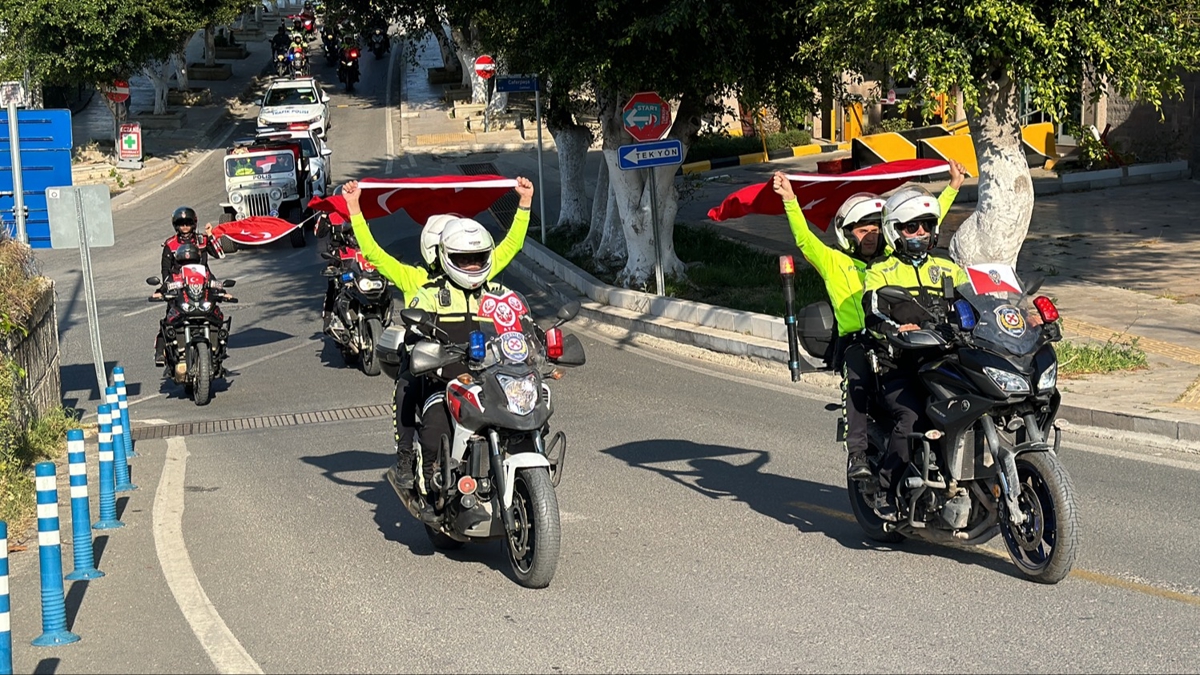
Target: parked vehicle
(195, 331)
(496, 477)
(981, 461)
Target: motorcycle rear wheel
(1045, 546)
(202, 389)
(868, 520)
(533, 548)
(372, 329)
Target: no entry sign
(485, 67)
(119, 92)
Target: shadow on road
(808, 506)
(47, 666)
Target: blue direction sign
(511, 83)
(650, 155)
(45, 140)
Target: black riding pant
(857, 379)
(903, 398)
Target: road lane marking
(387, 112)
(223, 649)
(1135, 456)
(1081, 574)
(140, 311)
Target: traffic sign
(130, 148)
(650, 155)
(512, 83)
(891, 97)
(119, 92)
(646, 117)
(14, 92)
(45, 160)
(485, 66)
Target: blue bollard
(54, 606)
(120, 462)
(81, 516)
(108, 494)
(6, 667)
(123, 401)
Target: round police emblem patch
(1010, 320)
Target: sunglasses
(915, 227)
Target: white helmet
(466, 244)
(860, 209)
(911, 205)
(431, 235)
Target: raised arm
(511, 245)
(408, 278)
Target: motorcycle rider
(411, 280)
(185, 238)
(281, 40)
(843, 269)
(911, 218)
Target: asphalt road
(705, 523)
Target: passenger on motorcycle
(410, 279)
(911, 218)
(843, 269)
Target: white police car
(294, 104)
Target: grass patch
(720, 146)
(1112, 356)
(721, 271)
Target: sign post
(81, 216)
(485, 67)
(129, 147)
(519, 83)
(118, 93)
(13, 94)
(647, 117)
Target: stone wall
(38, 356)
(1154, 137)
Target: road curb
(566, 281)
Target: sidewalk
(1104, 253)
(167, 149)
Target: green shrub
(890, 125)
(20, 286)
(722, 145)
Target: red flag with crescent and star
(255, 230)
(820, 195)
(421, 197)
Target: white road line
(278, 353)
(227, 654)
(1136, 456)
(141, 311)
(387, 110)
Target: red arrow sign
(485, 67)
(647, 117)
(119, 91)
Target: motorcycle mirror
(573, 354)
(153, 281)
(327, 255)
(568, 311)
(414, 316)
(229, 283)
(1035, 283)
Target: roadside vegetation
(24, 439)
(722, 145)
(1081, 358)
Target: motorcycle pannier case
(390, 350)
(818, 331)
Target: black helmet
(187, 254)
(184, 215)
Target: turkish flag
(255, 230)
(993, 278)
(820, 195)
(421, 197)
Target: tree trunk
(210, 47)
(572, 142)
(612, 252)
(159, 72)
(449, 58)
(179, 62)
(996, 230)
(467, 51)
(632, 196)
(591, 243)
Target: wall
(1137, 126)
(38, 355)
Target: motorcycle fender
(523, 460)
(1031, 446)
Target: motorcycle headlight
(1049, 377)
(1010, 383)
(521, 392)
(206, 305)
(184, 306)
(365, 284)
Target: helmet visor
(470, 262)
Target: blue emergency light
(966, 315)
(477, 345)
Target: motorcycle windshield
(1002, 321)
(510, 336)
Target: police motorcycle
(329, 44)
(981, 460)
(347, 71)
(495, 478)
(195, 331)
(362, 306)
(379, 42)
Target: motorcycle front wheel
(533, 547)
(202, 387)
(372, 329)
(1045, 546)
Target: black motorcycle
(362, 307)
(195, 330)
(379, 43)
(496, 477)
(981, 463)
(348, 68)
(329, 44)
